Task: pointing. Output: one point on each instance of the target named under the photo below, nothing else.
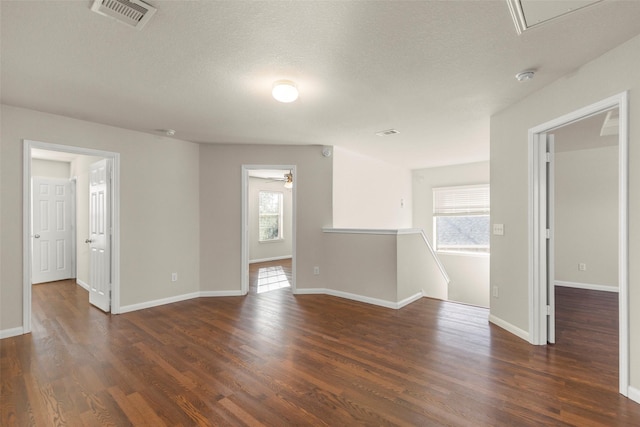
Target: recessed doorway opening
(268, 228)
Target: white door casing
(538, 274)
(244, 278)
(99, 239)
(51, 230)
(551, 291)
(27, 240)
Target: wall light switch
(498, 229)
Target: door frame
(537, 227)
(244, 289)
(26, 221)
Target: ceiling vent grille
(387, 132)
(134, 13)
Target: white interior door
(551, 293)
(51, 230)
(99, 239)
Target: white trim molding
(520, 333)
(82, 284)
(634, 394)
(26, 221)
(360, 298)
(244, 236)
(360, 231)
(230, 293)
(13, 332)
(589, 286)
(537, 193)
(158, 302)
(275, 258)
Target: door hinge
(548, 157)
(548, 233)
(548, 310)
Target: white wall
(469, 274)
(362, 264)
(586, 216)
(612, 73)
(418, 269)
(221, 216)
(262, 251)
(159, 206)
(50, 168)
(369, 193)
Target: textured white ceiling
(434, 70)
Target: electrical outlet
(174, 277)
(496, 292)
(582, 266)
(316, 271)
(498, 229)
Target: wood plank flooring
(282, 360)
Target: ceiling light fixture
(525, 75)
(289, 182)
(285, 91)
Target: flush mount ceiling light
(285, 91)
(525, 75)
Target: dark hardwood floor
(277, 359)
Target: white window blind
(464, 200)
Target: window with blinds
(461, 219)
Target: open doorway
(83, 164)
(268, 243)
(542, 238)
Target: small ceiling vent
(134, 13)
(387, 132)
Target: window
(270, 215)
(461, 219)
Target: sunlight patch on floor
(271, 278)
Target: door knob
(88, 241)
(37, 236)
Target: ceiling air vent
(134, 13)
(387, 132)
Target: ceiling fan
(287, 179)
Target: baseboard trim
(158, 302)
(359, 298)
(409, 300)
(589, 286)
(13, 332)
(362, 298)
(310, 291)
(634, 394)
(82, 284)
(207, 294)
(275, 258)
(520, 333)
